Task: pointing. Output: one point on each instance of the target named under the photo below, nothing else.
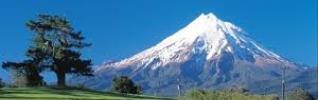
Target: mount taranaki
(208, 53)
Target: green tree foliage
(27, 72)
(24, 73)
(18, 79)
(124, 84)
(59, 45)
(223, 95)
(299, 94)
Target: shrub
(124, 84)
(223, 95)
(299, 94)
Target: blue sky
(121, 28)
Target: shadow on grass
(136, 96)
(17, 92)
(94, 92)
(70, 91)
(61, 92)
(50, 98)
(38, 91)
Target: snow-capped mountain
(207, 35)
(207, 53)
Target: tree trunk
(60, 74)
(60, 79)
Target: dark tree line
(55, 47)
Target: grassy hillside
(66, 94)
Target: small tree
(238, 89)
(299, 94)
(24, 73)
(124, 84)
(18, 79)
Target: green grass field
(42, 93)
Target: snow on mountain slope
(206, 34)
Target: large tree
(55, 36)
